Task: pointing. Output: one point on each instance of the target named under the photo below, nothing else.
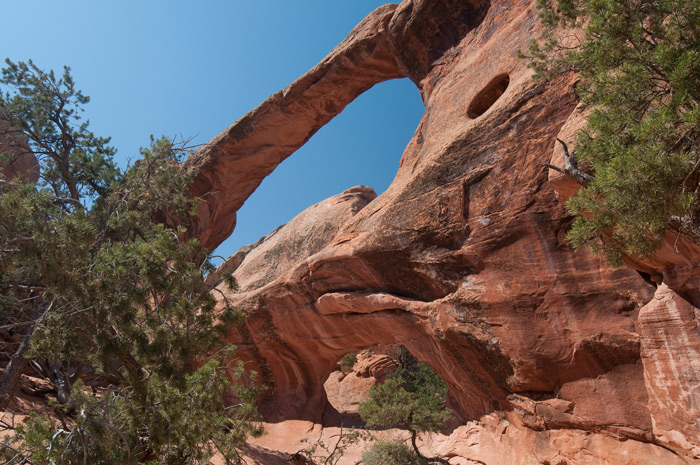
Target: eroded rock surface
(551, 355)
(668, 326)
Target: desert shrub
(347, 362)
(100, 275)
(395, 452)
(412, 397)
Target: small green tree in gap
(413, 398)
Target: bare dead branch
(571, 168)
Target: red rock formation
(463, 259)
(230, 167)
(668, 326)
(347, 390)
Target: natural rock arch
(463, 259)
(232, 165)
(359, 272)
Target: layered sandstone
(551, 355)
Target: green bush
(347, 362)
(395, 452)
(99, 275)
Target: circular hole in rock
(488, 96)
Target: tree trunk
(414, 436)
(13, 371)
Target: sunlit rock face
(551, 355)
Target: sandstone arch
(462, 260)
(394, 41)
(379, 263)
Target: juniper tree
(110, 300)
(639, 64)
(412, 397)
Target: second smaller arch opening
(349, 387)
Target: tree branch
(571, 168)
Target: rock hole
(372, 131)
(348, 386)
(488, 95)
(648, 278)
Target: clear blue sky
(192, 68)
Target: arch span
(232, 165)
(462, 260)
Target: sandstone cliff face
(551, 356)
